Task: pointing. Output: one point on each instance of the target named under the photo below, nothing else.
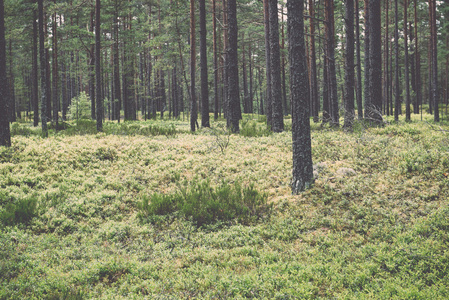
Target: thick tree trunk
(5, 134)
(434, 62)
(268, 99)
(299, 92)
(233, 71)
(359, 64)
(397, 102)
(375, 108)
(349, 63)
(203, 56)
(98, 83)
(43, 64)
(275, 67)
(331, 70)
(406, 64)
(314, 98)
(35, 81)
(193, 105)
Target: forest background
(155, 204)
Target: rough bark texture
(204, 80)
(434, 51)
(417, 64)
(367, 80)
(43, 69)
(314, 99)
(397, 103)
(214, 24)
(349, 63)
(5, 135)
(406, 64)
(299, 93)
(193, 105)
(375, 107)
(268, 101)
(331, 70)
(359, 64)
(98, 85)
(233, 71)
(275, 67)
(35, 84)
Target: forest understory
(109, 215)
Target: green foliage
(131, 129)
(204, 204)
(21, 129)
(251, 128)
(80, 107)
(21, 211)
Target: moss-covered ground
(375, 225)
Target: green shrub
(20, 129)
(19, 212)
(80, 107)
(129, 128)
(250, 128)
(204, 204)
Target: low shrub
(204, 204)
(19, 212)
(250, 128)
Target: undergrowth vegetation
(149, 210)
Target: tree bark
(214, 25)
(193, 105)
(406, 64)
(43, 64)
(35, 81)
(275, 67)
(434, 50)
(349, 64)
(314, 98)
(332, 75)
(397, 102)
(299, 92)
(5, 134)
(233, 71)
(203, 56)
(98, 83)
(268, 99)
(375, 107)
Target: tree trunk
(43, 64)
(268, 99)
(35, 84)
(98, 85)
(332, 75)
(193, 105)
(375, 108)
(349, 64)
(203, 56)
(434, 62)
(314, 98)
(214, 24)
(387, 57)
(406, 64)
(116, 104)
(359, 64)
(397, 102)
(417, 64)
(92, 67)
(233, 71)
(5, 134)
(245, 80)
(367, 79)
(275, 67)
(55, 88)
(299, 92)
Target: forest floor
(375, 224)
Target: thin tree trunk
(367, 79)
(433, 40)
(332, 75)
(55, 89)
(214, 24)
(387, 57)
(314, 98)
